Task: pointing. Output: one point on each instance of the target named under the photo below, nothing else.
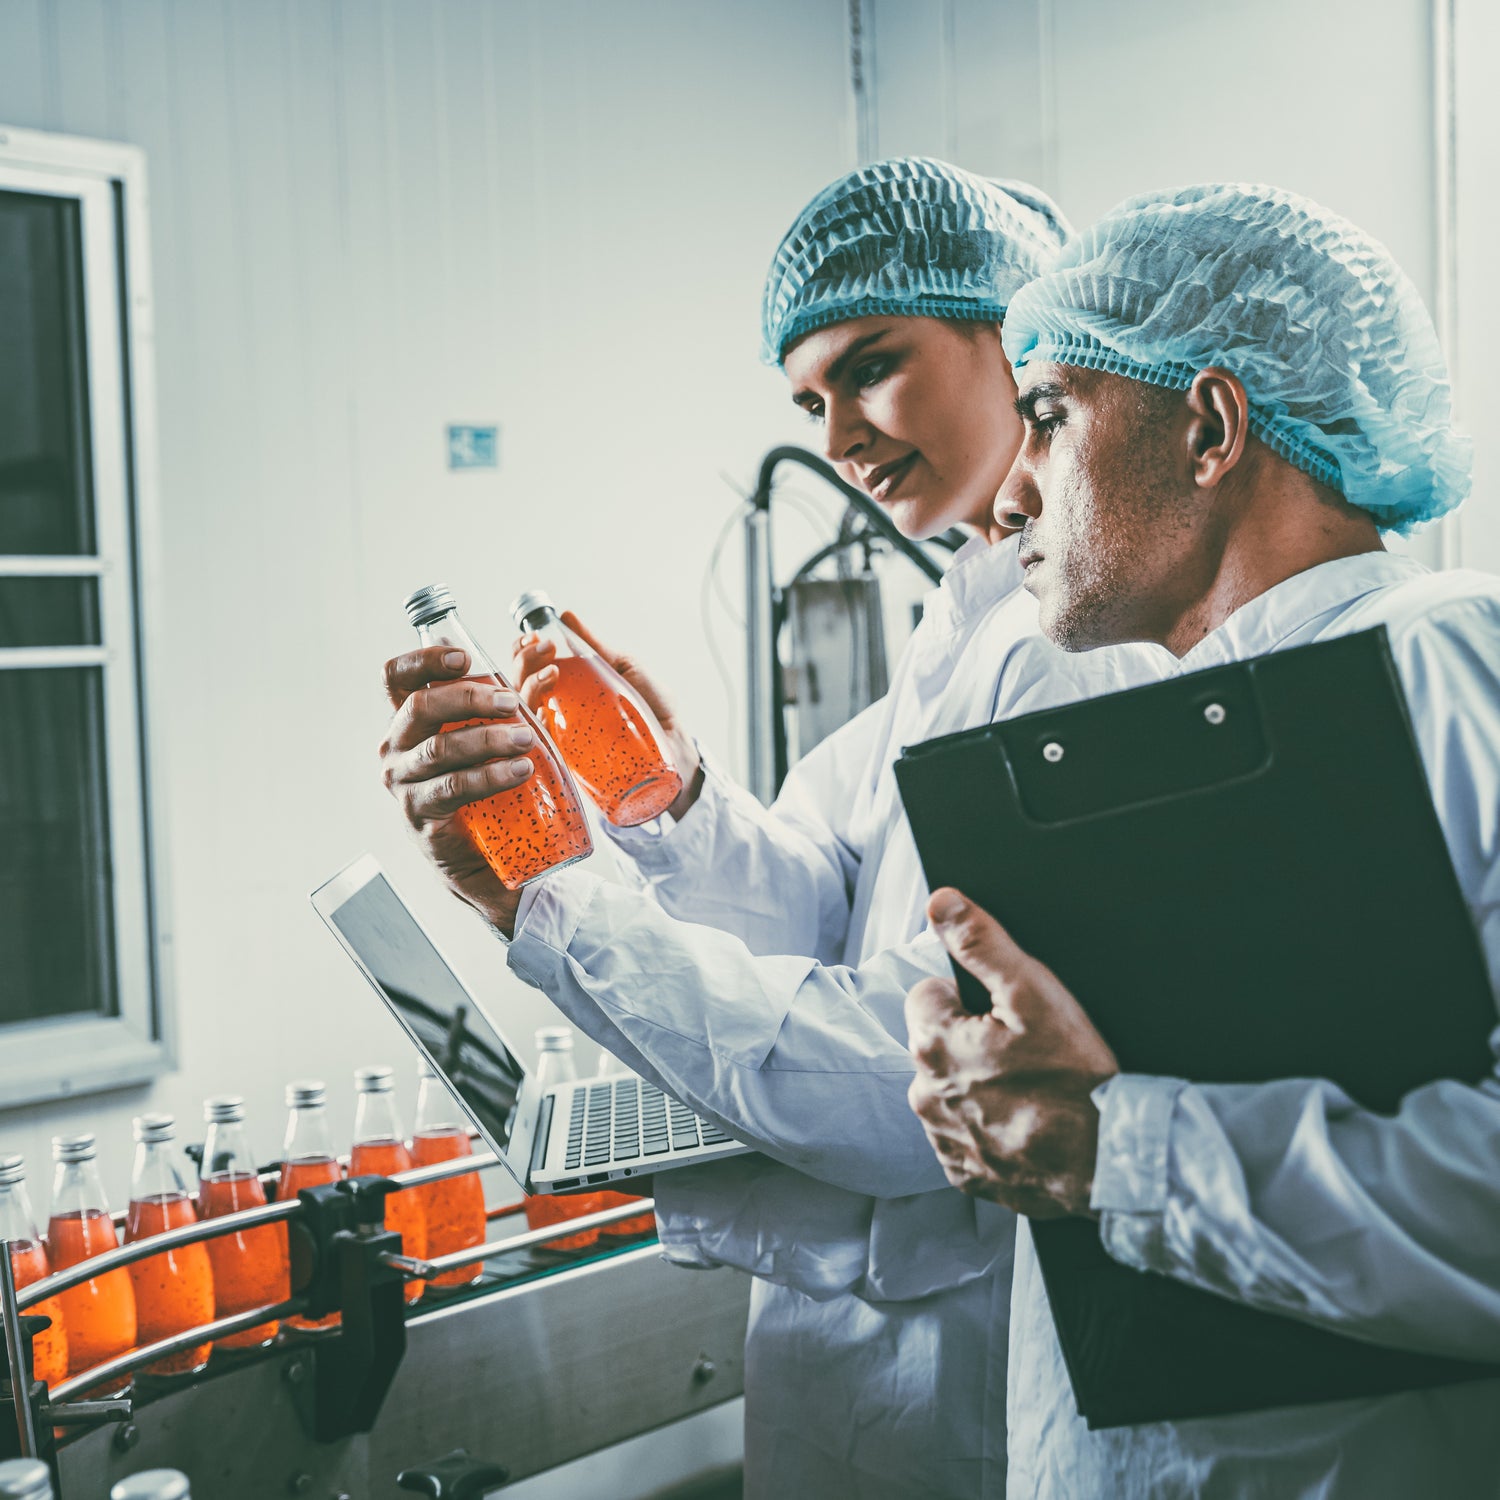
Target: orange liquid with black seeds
(608, 744)
(99, 1314)
(543, 1209)
(403, 1211)
(49, 1350)
(529, 829)
(174, 1291)
(309, 1171)
(250, 1267)
(638, 1224)
(454, 1207)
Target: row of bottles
(190, 1285)
(31, 1479)
(591, 721)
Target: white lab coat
(875, 1358)
(1287, 1195)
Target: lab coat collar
(1288, 609)
(978, 575)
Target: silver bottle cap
(523, 604)
(426, 1068)
(25, 1479)
(305, 1093)
(374, 1080)
(428, 603)
(152, 1129)
(12, 1170)
(153, 1484)
(224, 1109)
(73, 1147)
(554, 1039)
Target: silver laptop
(567, 1137)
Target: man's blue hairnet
(1330, 339)
(912, 237)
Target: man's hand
(1004, 1097)
(433, 772)
(539, 676)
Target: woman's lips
(890, 477)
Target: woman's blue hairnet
(913, 237)
(1336, 352)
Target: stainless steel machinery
(550, 1356)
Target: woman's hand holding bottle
(434, 772)
(535, 658)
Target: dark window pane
(56, 923)
(49, 612)
(46, 505)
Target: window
(81, 997)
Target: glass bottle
(28, 1263)
(379, 1151)
(307, 1158)
(610, 739)
(525, 830)
(555, 1064)
(25, 1479)
(250, 1266)
(455, 1206)
(174, 1291)
(99, 1313)
(609, 1071)
(153, 1484)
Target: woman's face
(919, 413)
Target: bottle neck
(545, 624)
(556, 1067)
(226, 1150)
(154, 1175)
(437, 1114)
(16, 1221)
(77, 1188)
(375, 1118)
(449, 630)
(307, 1137)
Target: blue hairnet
(909, 236)
(1330, 339)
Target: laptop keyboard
(627, 1119)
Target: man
(1229, 393)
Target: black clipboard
(1241, 876)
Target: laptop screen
(427, 995)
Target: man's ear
(1218, 425)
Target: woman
(876, 1351)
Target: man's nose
(1019, 500)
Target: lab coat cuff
(1130, 1167)
(550, 911)
(667, 844)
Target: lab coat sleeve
(778, 878)
(804, 1062)
(1289, 1196)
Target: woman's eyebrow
(836, 370)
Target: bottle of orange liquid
(380, 1151)
(100, 1313)
(174, 1291)
(250, 1266)
(455, 1206)
(529, 829)
(611, 1072)
(307, 1158)
(609, 737)
(28, 1263)
(555, 1064)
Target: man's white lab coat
(876, 1352)
(1288, 1196)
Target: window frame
(64, 1056)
